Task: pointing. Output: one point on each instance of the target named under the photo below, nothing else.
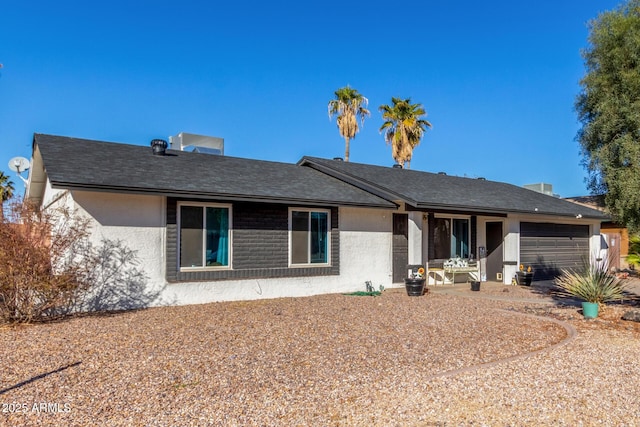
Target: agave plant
(592, 284)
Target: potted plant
(524, 277)
(414, 284)
(593, 284)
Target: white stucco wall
(416, 237)
(135, 220)
(512, 237)
(365, 247)
(365, 254)
(138, 221)
(511, 243)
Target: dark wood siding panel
(400, 248)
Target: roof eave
(217, 196)
(503, 212)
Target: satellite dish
(19, 164)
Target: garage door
(550, 248)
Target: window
(204, 236)
(451, 238)
(309, 241)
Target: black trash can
(475, 286)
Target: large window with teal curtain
(451, 238)
(204, 236)
(309, 237)
(460, 238)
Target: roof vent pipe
(339, 159)
(397, 166)
(159, 146)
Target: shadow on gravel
(38, 377)
(549, 289)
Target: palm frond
(349, 106)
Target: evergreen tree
(608, 108)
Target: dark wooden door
(494, 249)
(400, 247)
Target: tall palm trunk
(346, 148)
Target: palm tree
(349, 105)
(403, 128)
(6, 191)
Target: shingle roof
(74, 163)
(443, 192)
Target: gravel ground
(327, 360)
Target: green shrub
(634, 250)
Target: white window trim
(324, 264)
(204, 242)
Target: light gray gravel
(324, 360)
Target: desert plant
(592, 284)
(634, 250)
(42, 268)
(50, 269)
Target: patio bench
(439, 269)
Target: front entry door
(400, 247)
(494, 249)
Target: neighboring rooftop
(541, 187)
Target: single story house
(210, 227)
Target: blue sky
(497, 78)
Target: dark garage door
(549, 248)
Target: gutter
(217, 196)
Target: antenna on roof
(18, 165)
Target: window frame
(328, 237)
(204, 205)
(451, 218)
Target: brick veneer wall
(260, 247)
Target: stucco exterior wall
(365, 254)
(139, 222)
(365, 247)
(416, 236)
(512, 238)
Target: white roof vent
(197, 143)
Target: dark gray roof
(73, 163)
(425, 190)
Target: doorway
(495, 241)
